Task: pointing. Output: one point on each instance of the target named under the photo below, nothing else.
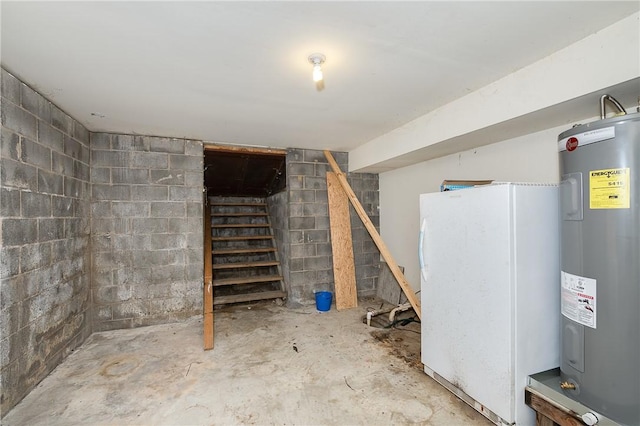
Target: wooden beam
(244, 149)
(207, 319)
(384, 251)
(542, 420)
(549, 412)
(344, 270)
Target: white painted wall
(605, 59)
(544, 91)
(529, 158)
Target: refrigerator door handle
(423, 269)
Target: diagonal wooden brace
(384, 251)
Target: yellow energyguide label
(609, 189)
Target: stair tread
(241, 225)
(251, 237)
(244, 250)
(247, 280)
(245, 264)
(238, 214)
(248, 297)
(236, 204)
(224, 247)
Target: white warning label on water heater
(578, 301)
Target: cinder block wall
(278, 205)
(310, 255)
(366, 254)
(146, 229)
(44, 255)
(103, 231)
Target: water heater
(600, 266)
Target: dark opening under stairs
(245, 263)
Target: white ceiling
(237, 72)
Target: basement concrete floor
(270, 365)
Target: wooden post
(384, 251)
(208, 278)
(344, 270)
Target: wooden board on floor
(344, 269)
(548, 412)
(375, 236)
(207, 319)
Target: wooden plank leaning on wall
(344, 270)
(384, 251)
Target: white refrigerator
(489, 259)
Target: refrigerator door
(466, 292)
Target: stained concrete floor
(270, 365)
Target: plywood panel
(344, 270)
(375, 236)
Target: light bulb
(317, 73)
(317, 59)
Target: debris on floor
(400, 337)
(342, 373)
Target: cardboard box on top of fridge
(452, 185)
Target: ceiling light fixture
(317, 59)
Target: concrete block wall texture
(366, 253)
(278, 206)
(44, 240)
(310, 267)
(146, 229)
(103, 231)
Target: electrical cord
(404, 322)
(370, 309)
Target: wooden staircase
(245, 264)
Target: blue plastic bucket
(323, 300)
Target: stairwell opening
(243, 207)
(298, 212)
